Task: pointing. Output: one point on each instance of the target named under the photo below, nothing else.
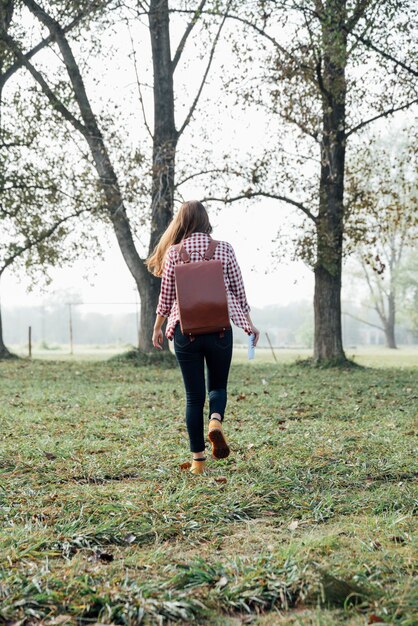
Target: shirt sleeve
(236, 284)
(168, 287)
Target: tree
(165, 135)
(408, 286)
(329, 69)
(38, 199)
(382, 218)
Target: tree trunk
(327, 312)
(149, 301)
(390, 323)
(328, 345)
(164, 153)
(4, 352)
(6, 13)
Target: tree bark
(328, 346)
(163, 157)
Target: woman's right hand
(157, 338)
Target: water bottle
(251, 347)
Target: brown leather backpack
(201, 293)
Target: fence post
(271, 347)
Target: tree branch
(384, 54)
(254, 194)
(363, 321)
(42, 237)
(301, 125)
(186, 33)
(215, 170)
(54, 100)
(380, 115)
(380, 313)
(259, 30)
(40, 46)
(357, 14)
(141, 100)
(202, 84)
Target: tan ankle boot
(220, 448)
(198, 466)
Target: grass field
(370, 356)
(310, 521)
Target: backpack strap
(184, 255)
(211, 249)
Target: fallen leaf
(105, 557)
(250, 445)
(221, 479)
(129, 538)
(241, 396)
(60, 619)
(50, 456)
(185, 466)
(293, 525)
(222, 581)
(398, 539)
(375, 619)
(376, 545)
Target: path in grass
(98, 522)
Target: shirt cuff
(162, 312)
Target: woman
(192, 225)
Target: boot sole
(220, 449)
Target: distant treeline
(287, 326)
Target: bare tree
(382, 218)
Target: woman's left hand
(256, 332)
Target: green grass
(309, 521)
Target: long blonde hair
(191, 218)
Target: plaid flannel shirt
(196, 245)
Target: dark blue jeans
(216, 351)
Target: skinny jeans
(216, 352)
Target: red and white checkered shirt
(196, 245)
